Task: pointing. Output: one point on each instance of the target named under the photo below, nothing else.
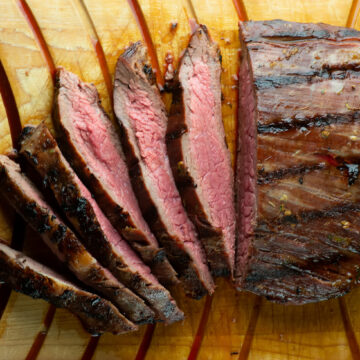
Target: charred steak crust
(297, 165)
(138, 235)
(25, 198)
(211, 236)
(133, 65)
(80, 209)
(31, 278)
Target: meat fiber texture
(199, 157)
(142, 117)
(20, 193)
(31, 278)
(98, 235)
(90, 141)
(297, 181)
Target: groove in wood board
(10, 106)
(353, 14)
(246, 346)
(192, 11)
(145, 342)
(29, 16)
(140, 19)
(94, 38)
(40, 338)
(91, 348)
(201, 329)
(349, 331)
(241, 10)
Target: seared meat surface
(297, 187)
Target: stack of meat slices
(117, 218)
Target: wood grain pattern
(70, 28)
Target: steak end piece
(198, 153)
(31, 278)
(297, 167)
(91, 143)
(21, 194)
(143, 121)
(96, 231)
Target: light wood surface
(314, 331)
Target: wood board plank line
(144, 29)
(34, 26)
(196, 345)
(41, 336)
(349, 331)
(249, 336)
(90, 348)
(11, 108)
(240, 10)
(89, 25)
(146, 342)
(353, 14)
(192, 11)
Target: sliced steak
(199, 157)
(298, 161)
(98, 235)
(31, 278)
(27, 200)
(142, 117)
(92, 145)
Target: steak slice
(143, 121)
(31, 278)
(199, 157)
(298, 161)
(92, 145)
(98, 235)
(28, 202)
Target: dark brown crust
(69, 249)
(211, 238)
(137, 63)
(98, 315)
(153, 256)
(41, 151)
(57, 175)
(311, 253)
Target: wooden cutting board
(231, 325)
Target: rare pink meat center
(95, 141)
(150, 135)
(208, 153)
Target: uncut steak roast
(297, 183)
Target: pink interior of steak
(149, 128)
(206, 151)
(97, 141)
(120, 246)
(245, 185)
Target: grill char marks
(198, 154)
(97, 233)
(142, 118)
(31, 278)
(297, 230)
(90, 141)
(27, 200)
